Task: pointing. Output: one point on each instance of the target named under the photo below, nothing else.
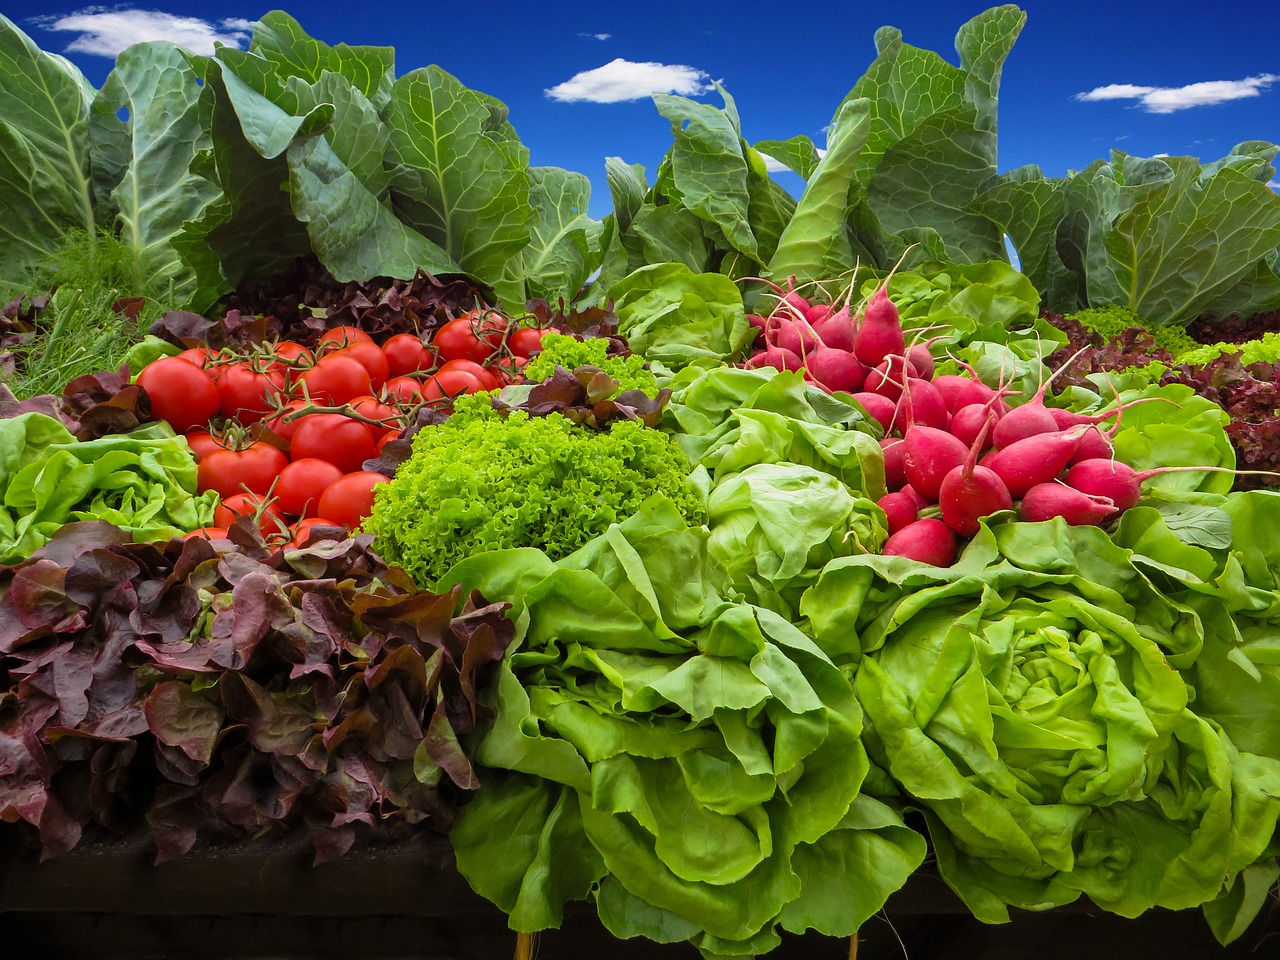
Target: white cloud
(621, 80)
(596, 36)
(777, 166)
(1274, 185)
(105, 32)
(1171, 99)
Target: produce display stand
(262, 899)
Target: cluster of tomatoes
(282, 432)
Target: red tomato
(370, 356)
(526, 341)
(350, 499)
(251, 470)
(375, 409)
(464, 339)
(180, 393)
(270, 519)
(203, 443)
(302, 530)
(282, 428)
(481, 373)
(246, 393)
(341, 336)
(344, 442)
(406, 353)
(301, 483)
(197, 355)
(335, 379)
(295, 357)
(385, 439)
(446, 386)
(509, 369)
(405, 389)
(208, 533)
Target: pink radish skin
(796, 336)
(928, 455)
(880, 408)
(895, 474)
(1028, 420)
(879, 333)
(914, 494)
(817, 313)
(888, 377)
(835, 369)
(899, 510)
(1045, 501)
(921, 404)
(920, 362)
(968, 421)
(960, 391)
(776, 357)
(837, 330)
(1122, 484)
(758, 324)
(970, 492)
(1094, 445)
(928, 541)
(1032, 460)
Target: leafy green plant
(1169, 238)
(102, 303)
(487, 481)
(572, 352)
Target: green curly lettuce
(570, 352)
(483, 481)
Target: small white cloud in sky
(777, 166)
(105, 32)
(620, 80)
(1171, 99)
(596, 36)
(1274, 185)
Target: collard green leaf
(627, 187)
(798, 154)
(814, 245)
(167, 125)
(565, 245)
(459, 175)
(280, 39)
(709, 165)
(46, 181)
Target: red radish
(1122, 484)
(888, 377)
(837, 330)
(914, 494)
(920, 362)
(895, 474)
(1094, 445)
(1045, 501)
(794, 335)
(920, 403)
(969, 420)
(759, 324)
(899, 510)
(960, 391)
(835, 369)
(970, 492)
(880, 408)
(1032, 417)
(928, 541)
(879, 332)
(928, 455)
(774, 356)
(1035, 459)
(817, 313)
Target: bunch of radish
(956, 449)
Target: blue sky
(1080, 82)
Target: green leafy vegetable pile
(485, 481)
(690, 761)
(572, 352)
(143, 482)
(1034, 703)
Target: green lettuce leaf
(675, 316)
